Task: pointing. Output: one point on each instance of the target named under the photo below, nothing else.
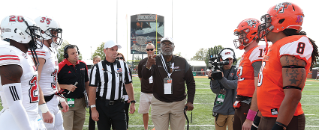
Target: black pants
(111, 115)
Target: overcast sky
(193, 24)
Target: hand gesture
(151, 61)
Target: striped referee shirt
(109, 78)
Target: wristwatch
(133, 101)
(92, 106)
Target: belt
(109, 102)
(48, 98)
(242, 98)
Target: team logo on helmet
(281, 7)
(299, 19)
(252, 23)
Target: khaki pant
(164, 113)
(224, 120)
(75, 117)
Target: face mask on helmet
(242, 40)
(246, 33)
(280, 17)
(56, 36)
(50, 30)
(22, 30)
(265, 27)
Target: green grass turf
(202, 114)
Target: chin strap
(33, 46)
(266, 45)
(35, 57)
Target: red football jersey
(245, 71)
(270, 91)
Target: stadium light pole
(172, 18)
(116, 19)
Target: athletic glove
(255, 123)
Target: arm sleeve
(301, 48)
(13, 95)
(215, 86)
(190, 82)
(139, 68)
(257, 54)
(128, 76)
(86, 73)
(230, 83)
(94, 79)
(60, 74)
(256, 66)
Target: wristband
(251, 115)
(44, 108)
(92, 106)
(255, 124)
(62, 99)
(133, 101)
(279, 126)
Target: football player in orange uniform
(284, 69)
(246, 100)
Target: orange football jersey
(270, 91)
(245, 71)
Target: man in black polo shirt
(146, 87)
(170, 74)
(106, 90)
(73, 76)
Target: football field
(202, 118)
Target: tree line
(201, 55)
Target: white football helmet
(48, 26)
(20, 29)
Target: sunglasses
(149, 49)
(119, 58)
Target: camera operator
(224, 87)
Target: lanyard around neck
(165, 67)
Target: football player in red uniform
(284, 69)
(247, 72)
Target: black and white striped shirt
(109, 78)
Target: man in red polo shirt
(73, 76)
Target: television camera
(215, 63)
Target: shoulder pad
(8, 56)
